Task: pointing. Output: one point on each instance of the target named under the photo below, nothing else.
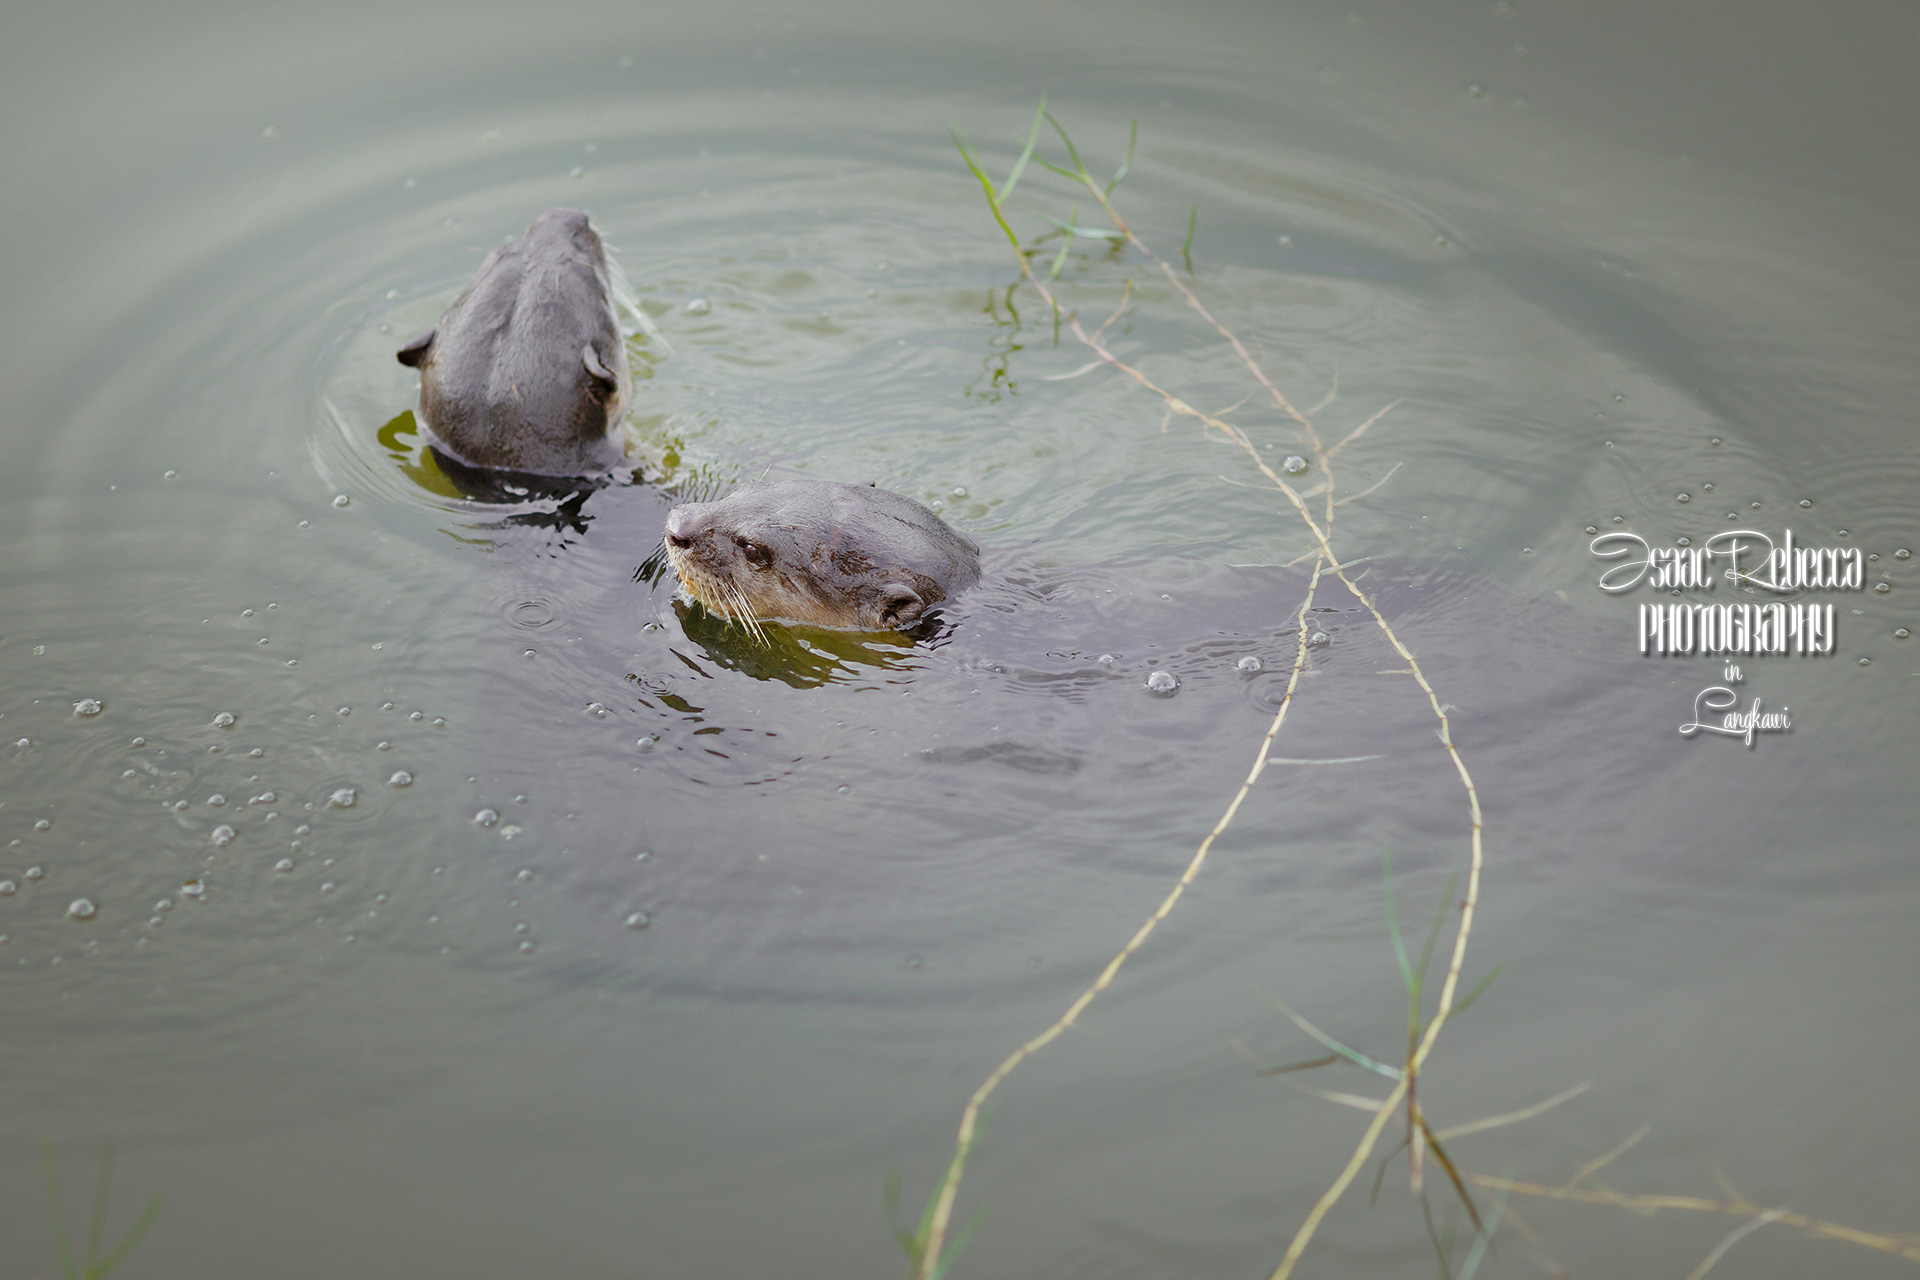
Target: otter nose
(680, 528)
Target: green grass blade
(986, 185)
(1479, 988)
(1186, 249)
(1433, 934)
(1351, 1055)
(959, 1242)
(1471, 1263)
(1020, 165)
(1393, 921)
(890, 1205)
(1133, 136)
(1073, 229)
(59, 1219)
(1060, 259)
(132, 1238)
(1079, 166)
(97, 1221)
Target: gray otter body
(527, 370)
(829, 555)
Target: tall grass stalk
(1325, 560)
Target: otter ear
(900, 606)
(415, 352)
(598, 371)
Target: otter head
(828, 555)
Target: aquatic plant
(94, 1264)
(1040, 264)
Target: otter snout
(682, 528)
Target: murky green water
(350, 1026)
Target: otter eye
(756, 553)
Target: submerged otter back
(527, 370)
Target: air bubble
(342, 500)
(1248, 663)
(1162, 682)
(223, 835)
(698, 306)
(596, 709)
(1902, 553)
(43, 824)
(523, 875)
(1901, 633)
(1683, 497)
(400, 778)
(1706, 488)
(224, 720)
(328, 886)
(194, 889)
(526, 946)
(509, 831)
(344, 798)
(217, 801)
(1294, 465)
(486, 818)
(87, 707)
(1866, 662)
(1105, 659)
(285, 864)
(1883, 587)
(1806, 502)
(1683, 542)
(639, 920)
(81, 909)
(8, 888)
(1593, 528)
(1319, 638)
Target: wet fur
(848, 557)
(527, 370)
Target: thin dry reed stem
(969, 1118)
(1325, 559)
(1900, 1246)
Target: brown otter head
(846, 556)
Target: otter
(527, 370)
(843, 556)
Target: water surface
(544, 924)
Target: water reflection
(801, 657)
